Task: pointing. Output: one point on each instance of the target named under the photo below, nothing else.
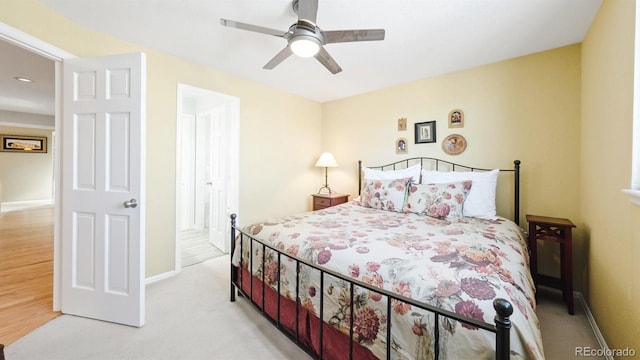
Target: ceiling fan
(306, 39)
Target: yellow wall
(272, 123)
(526, 108)
(610, 223)
(26, 177)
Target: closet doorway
(206, 173)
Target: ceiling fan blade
(328, 61)
(283, 54)
(308, 10)
(337, 36)
(249, 27)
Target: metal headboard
(402, 164)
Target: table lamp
(326, 160)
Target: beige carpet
(189, 317)
(562, 333)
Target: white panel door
(218, 180)
(201, 182)
(103, 188)
(187, 171)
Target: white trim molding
(634, 196)
(21, 205)
(51, 52)
(634, 192)
(25, 125)
(31, 43)
(594, 326)
(159, 277)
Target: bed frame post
(516, 215)
(504, 309)
(234, 274)
(359, 176)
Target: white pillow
(481, 201)
(411, 171)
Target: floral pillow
(384, 194)
(481, 202)
(442, 201)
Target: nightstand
(557, 230)
(323, 201)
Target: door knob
(131, 203)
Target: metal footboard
(503, 308)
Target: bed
(414, 268)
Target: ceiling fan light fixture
(305, 46)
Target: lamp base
(325, 187)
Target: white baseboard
(20, 205)
(156, 278)
(594, 326)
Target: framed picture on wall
(401, 146)
(425, 132)
(402, 124)
(23, 144)
(456, 118)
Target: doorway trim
(232, 131)
(42, 48)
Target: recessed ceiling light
(23, 79)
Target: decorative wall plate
(454, 144)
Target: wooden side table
(323, 201)
(555, 230)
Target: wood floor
(26, 271)
(196, 247)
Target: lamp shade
(326, 160)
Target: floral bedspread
(460, 265)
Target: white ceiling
(423, 37)
(36, 97)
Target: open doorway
(27, 112)
(27, 183)
(206, 173)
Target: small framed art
(24, 144)
(456, 118)
(401, 146)
(425, 132)
(402, 124)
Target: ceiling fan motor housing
(306, 29)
